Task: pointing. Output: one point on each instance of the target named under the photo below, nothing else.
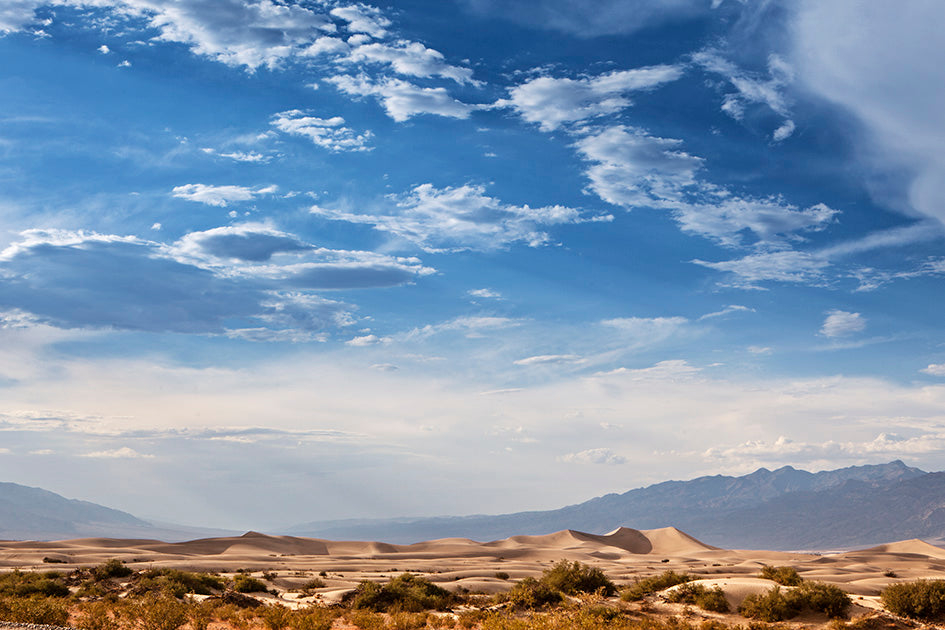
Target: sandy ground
(455, 563)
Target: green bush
(159, 612)
(696, 594)
(785, 576)
(922, 599)
(769, 606)
(404, 593)
(111, 569)
(572, 578)
(533, 594)
(20, 584)
(823, 598)
(643, 587)
(35, 610)
(243, 583)
(178, 583)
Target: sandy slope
(624, 554)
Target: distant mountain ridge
(28, 513)
(780, 509)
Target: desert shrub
(823, 598)
(574, 577)
(771, 605)
(200, 615)
(159, 612)
(313, 619)
(313, 584)
(643, 587)
(365, 619)
(178, 583)
(785, 576)
(406, 621)
(922, 599)
(533, 594)
(276, 617)
(501, 575)
(471, 618)
(404, 593)
(243, 583)
(96, 616)
(20, 584)
(890, 574)
(696, 594)
(35, 610)
(111, 569)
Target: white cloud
(367, 340)
(118, 453)
(759, 350)
(842, 323)
(410, 59)
(637, 332)
(124, 64)
(240, 156)
(670, 370)
(549, 359)
(362, 18)
(728, 310)
(778, 266)
(783, 449)
(631, 168)
(594, 456)
(934, 369)
(103, 49)
(882, 65)
(472, 327)
(15, 15)
(326, 46)
(328, 133)
(752, 89)
(219, 196)
(440, 219)
(485, 294)
(552, 102)
(403, 100)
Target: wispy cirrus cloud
(220, 196)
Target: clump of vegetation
(34, 610)
(178, 583)
(46, 584)
(785, 576)
(501, 575)
(572, 578)
(532, 594)
(243, 583)
(922, 599)
(643, 587)
(698, 595)
(159, 612)
(777, 605)
(111, 569)
(404, 593)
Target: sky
(265, 262)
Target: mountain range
(783, 509)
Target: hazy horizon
(267, 262)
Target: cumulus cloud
(219, 196)
(604, 456)
(552, 102)
(463, 217)
(401, 99)
(631, 168)
(934, 369)
(16, 15)
(247, 242)
(783, 449)
(362, 18)
(328, 133)
(408, 58)
(842, 323)
(484, 293)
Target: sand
(458, 563)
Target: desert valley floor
(624, 555)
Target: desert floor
(624, 555)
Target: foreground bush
(404, 593)
(532, 594)
(769, 606)
(823, 598)
(179, 583)
(35, 610)
(698, 595)
(642, 588)
(923, 599)
(786, 576)
(20, 584)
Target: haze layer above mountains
(781, 509)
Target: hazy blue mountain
(28, 513)
(780, 509)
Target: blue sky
(264, 262)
